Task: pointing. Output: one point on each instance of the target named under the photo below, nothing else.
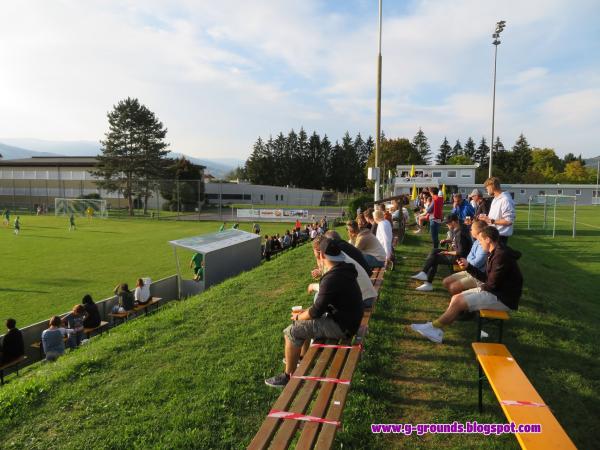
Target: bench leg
(1, 377)
(500, 328)
(479, 326)
(480, 403)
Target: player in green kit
(17, 225)
(7, 217)
(197, 263)
(222, 227)
(72, 222)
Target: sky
(220, 74)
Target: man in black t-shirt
(339, 297)
(12, 343)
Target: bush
(363, 201)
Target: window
(542, 193)
(577, 191)
(436, 174)
(465, 174)
(559, 192)
(261, 197)
(596, 194)
(522, 191)
(452, 174)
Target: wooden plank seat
(518, 399)
(11, 364)
(154, 301)
(88, 331)
(321, 382)
(493, 317)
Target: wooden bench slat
(509, 382)
(493, 314)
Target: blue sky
(220, 74)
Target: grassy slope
(192, 375)
(47, 269)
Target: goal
(556, 214)
(79, 206)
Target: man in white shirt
(384, 235)
(502, 210)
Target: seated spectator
(74, 321)
(268, 248)
(276, 243)
(384, 236)
(461, 207)
(313, 232)
(423, 217)
(482, 204)
(371, 221)
(350, 250)
(339, 297)
(12, 346)
(368, 244)
(461, 281)
(362, 222)
(141, 294)
(461, 246)
(92, 315)
(369, 294)
(126, 299)
(501, 288)
(53, 342)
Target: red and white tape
(520, 403)
(278, 414)
(324, 379)
(359, 346)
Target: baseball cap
(331, 251)
(451, 218)
(475, 192)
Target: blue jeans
(435, 230)
(373, 262)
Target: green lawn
(191, 376)
(46, 269)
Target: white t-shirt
(364, 282)
(384, 236)
(142, 294)
(503, 207)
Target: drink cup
(296, 309)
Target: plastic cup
(296, 309)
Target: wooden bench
(330, 366)
(88, 331)
(492, 317)
(14, 363)
(154, 301)
(518, 399)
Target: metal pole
(493, 108)
(378, 125)
(597, 192)
(574, 216)
(178, 273)
(545, 210)
(554, 226)
(529, 214)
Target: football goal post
(552, 213)
(80, 206)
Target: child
(17, 225)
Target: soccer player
(197, 263)
(222, 227)
(17, 225)
(72, 222)
(7, 217)
(90, 212)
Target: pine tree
(259, 166)
(133, 152)
(521, 158)
(469, 149)
(482, 153)
(457, 150)
(422, 146)
(443, 153)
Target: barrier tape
(359, 346)
(325, 379)
(521, 403)
(278, 414)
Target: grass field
(191, 376)
(46, 269)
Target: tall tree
(469, 150)
(503, 162)
(183, 187)
(421, 144)
(482, 154)
(444, 152)
(521, 158)
(133, 151)
(457, 150)
(260, 164)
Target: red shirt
(438, 207)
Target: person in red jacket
(501, 289)
(436, 214)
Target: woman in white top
(142, 292)
(384, 235)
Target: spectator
(12, 346)
(268, 249)
(339, 297)
(482, 205)
(362, 222)
(461, 207)
(461, 246)
(372, 251)
(423, 217)
(501, 288)
(126, 299)
(256, 228)
(435, 216)
(53, 342)
(502, 210)
(142, 294)
(384, 236)
(74, 321)
(371, 220)
(461, 281)
(92, 315)
(350, 250)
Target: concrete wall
(261, 195)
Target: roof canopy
(214, 241)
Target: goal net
(553, 214)
(80, 206)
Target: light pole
(499, 27)
(378, 125)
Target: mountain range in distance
(11, 148)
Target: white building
(256, 195)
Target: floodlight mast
(496, 42)
(378, 120)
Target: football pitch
(47, 269)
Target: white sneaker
(429, 331)
(421, 276)
(425, 287)
(484, 335)
(417, 231)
